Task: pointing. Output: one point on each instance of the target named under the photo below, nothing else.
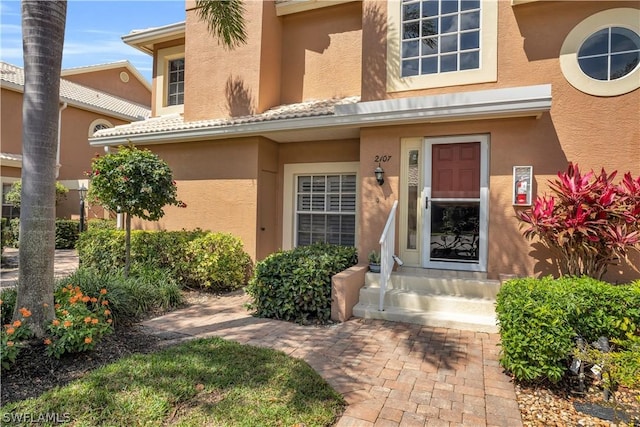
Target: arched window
(97, 125)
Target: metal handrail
(387, 246)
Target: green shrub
(144, 292)
(163, 249)
(12, 233)
(82, 319)
(196, 258)
(295, 285)
(101, 224)
(8, 297)
(12, 336)
(66, 233)
(540, 318)
(217, 261)
(101, 249)
(4, 231)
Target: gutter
(524, 101)
(58, 165)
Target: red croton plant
(589, 222)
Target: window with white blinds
(326, 209)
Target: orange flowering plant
(81, 321)
(12, 335)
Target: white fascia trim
(524, 101)
(139, 39)
(11, 160)
(287, 7)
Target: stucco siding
(322, 53)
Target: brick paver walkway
(390, 374)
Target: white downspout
(63, 107)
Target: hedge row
(540, 319)
(215, 261)
(66, 233)
(295, 285)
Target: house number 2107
(382, 159)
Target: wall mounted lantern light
(379, 173)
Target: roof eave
(145, 39)
(529, 101)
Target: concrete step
(435, 319)
(453, 286)
(459, 300)
(427, 301)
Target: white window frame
(291, 172)
(622, 17)
(97, 122)
(162, 80)
(488, 71)
(169, 83)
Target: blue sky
(94, 30)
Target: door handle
(426, 202)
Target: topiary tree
(589, 222)
(133, 182)
(13, 195)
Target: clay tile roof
(79, 95)
(175, 122)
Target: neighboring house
(277, 141)
(91, 98)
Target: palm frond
(225, 20)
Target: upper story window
(440, 36)
(169, 82)
(440, 43)
(610, 54)
(175, 91)
(601, 55)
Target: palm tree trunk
(43, 24)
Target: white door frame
(483, 243)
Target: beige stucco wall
(525, 141)
(75, 153)
(321, 53)
(109, 81)
(11, 122)
(215, 86)
(218, 181)
(236, 186)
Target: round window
(610, 54)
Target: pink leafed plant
(589, 222)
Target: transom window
(175, 92)
(610, 53)
(326, 209)
(440, 36)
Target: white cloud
(11, 29)
(99, 48)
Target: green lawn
(208, 382)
